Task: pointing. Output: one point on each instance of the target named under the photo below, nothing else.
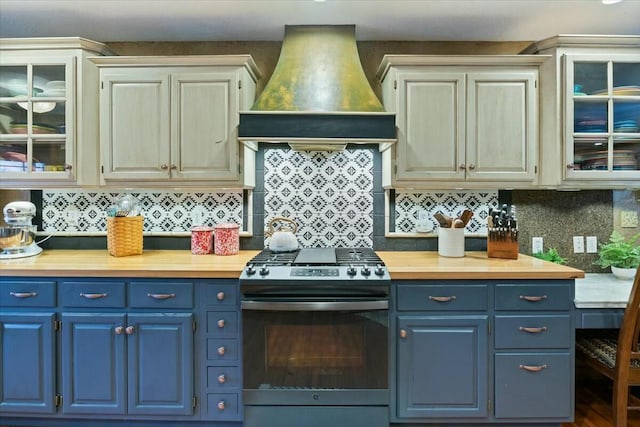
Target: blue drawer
(530, 384)
(442, 297)
(222, 350)
(522, 331)
(222, 324)
(221, 378)
(27, 293)
(161, 295)
(223, 406)
(533, 297)
(99, 294)
(222, 293)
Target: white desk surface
(598, 290)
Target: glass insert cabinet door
(602, 115)
(36, 126)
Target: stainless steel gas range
(315, 338)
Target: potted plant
(551, 255)
(622, 255)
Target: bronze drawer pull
(220, 296)
(222, 378)
(221, 405)
(533, 330)
(161, 296)
(221, 351)
(442, 299)
(92, 296)
(533, 298)
(23, 294)
(531, 368)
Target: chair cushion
(601, 345)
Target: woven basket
(124, 235)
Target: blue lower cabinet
(27, 363)
(127, 364)
(442, 366)
(93, 363)
(160, 364)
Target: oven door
(315, 352)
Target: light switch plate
(578, 244)
(537, 245)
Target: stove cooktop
(316, 267)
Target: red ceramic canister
(227, 239)
(201, 240)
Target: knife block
(502, 245)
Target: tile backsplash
(410, 206)
(328, 194)
(164, 212)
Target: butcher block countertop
(181, 263)
(474, 265)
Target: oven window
(324, 350)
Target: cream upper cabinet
(48, 112)
(591, 123)
(174, 120)
(463, 122)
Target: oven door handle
(315, 305)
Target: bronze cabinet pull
(403, 333)
(161, 296)
(92, 296)
(119, 330)
(442, 299)
(23, 294)
(220, 405)
(220, 296)
(531, 368)
(221, 323)
(533, 330)
(221, 351)
(532, 298)
(222, 378)
(129, 330)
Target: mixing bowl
(16, 238)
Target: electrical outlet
(72, 216)
(628, 219)
(537, 245)
(578, 244)
(592, 244)
(198, 215)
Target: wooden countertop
(152, 263)
(474, 265)
(181, 263)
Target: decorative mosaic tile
(407, 206)
(328, 194)
(163, 212)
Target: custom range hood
(318, 97)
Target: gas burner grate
(344, 257)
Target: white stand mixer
(17, 239)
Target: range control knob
(250, 270)
(379, 270)
(264, 270)
(351, 271)
(366, 271)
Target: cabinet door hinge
(395, 169)
(489, 328)
(195, 402)
(489, 405)
(57, 325)
(58, 400)
(239, 84)
(101, 169)
(239, 168)
(193, 326)
(395, 84)
(535, 169)
(535, 84)
(101, 85)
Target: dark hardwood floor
(593, 401)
